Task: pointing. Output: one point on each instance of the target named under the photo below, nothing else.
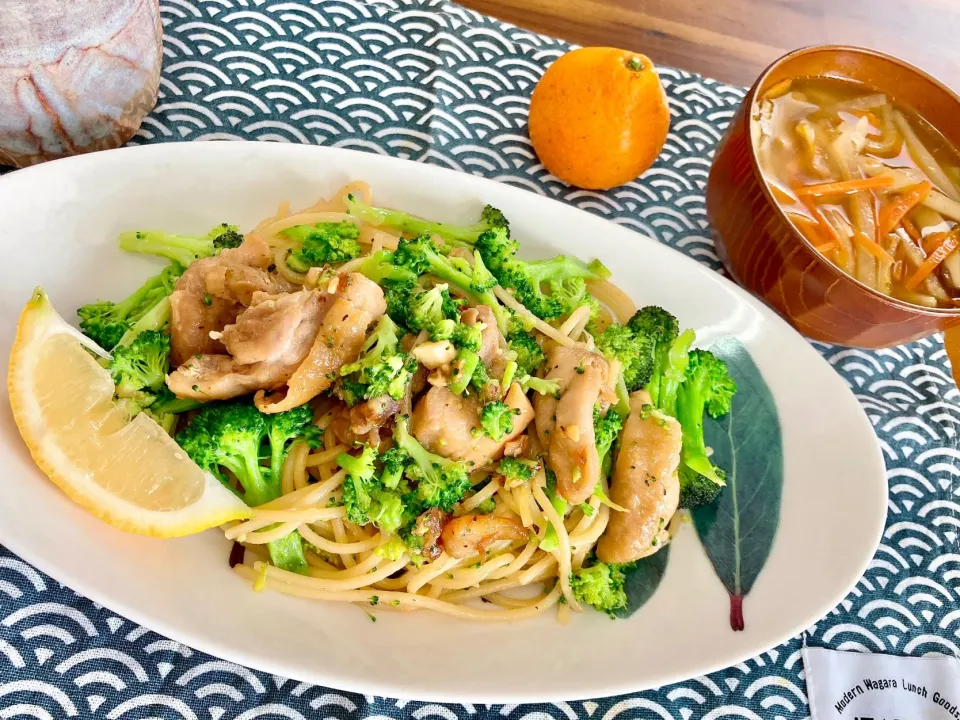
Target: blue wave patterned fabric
(429, 81)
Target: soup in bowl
(835, 196)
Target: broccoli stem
(622, 408)
(508, 374)
(183, 249)
(287, 553)
(414, 225)
(674, 369)
(690, 405)
(156, 318)
(171, 404)
(465, 367)
(256, 490)
(417, 452)
(379, 267)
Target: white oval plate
(59, 224)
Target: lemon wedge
(127, 472)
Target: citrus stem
(635, 64)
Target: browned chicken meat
(472, 534)
(565, 425)
(277, 328)
(492, 343)
(241, 283)
(267, 344)
(428, 527)
(357, 304)
(353, 425)
(210, 294)
(449, 425)
(645, 484)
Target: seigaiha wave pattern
(429, 81)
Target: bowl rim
(750, 103)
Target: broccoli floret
(670, 348)
(440, 482)
(563, 276)
(487, 506)
(285, 427)
(656, 323)
(361, 483)
(381, 369)
(183, 249)
(322, 244)
(481, 279)
(479, 379)
(366, 498)
(529, 354)
(141, 365)
(428, 310)
(107, 323)
(467, 337)
(707, 387)
(395, 461)
(399, 297)
(600, 585)
(633, 351)
(496, 419)
(541, 386)
(379, 267)
(697, 490)
(606, 429)
(229, 435)
(421, 256)
(361, 471)
(489, 218)
(393, 549)
(515, 471)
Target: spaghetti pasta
(351, 559)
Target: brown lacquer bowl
(769, 257)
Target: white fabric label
(866, 686)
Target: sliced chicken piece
(449, 425)
(472, 534)
(358, 303)
(220, 377)
(240, 283)
(277, 328)
(429, 526)
(645, 483)
(492, 343)
(352, 425)
(195, 312)
(267, 344)
(194, 315)
(562, 364)
(565, 425)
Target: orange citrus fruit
(599, 117)
(126, 471)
